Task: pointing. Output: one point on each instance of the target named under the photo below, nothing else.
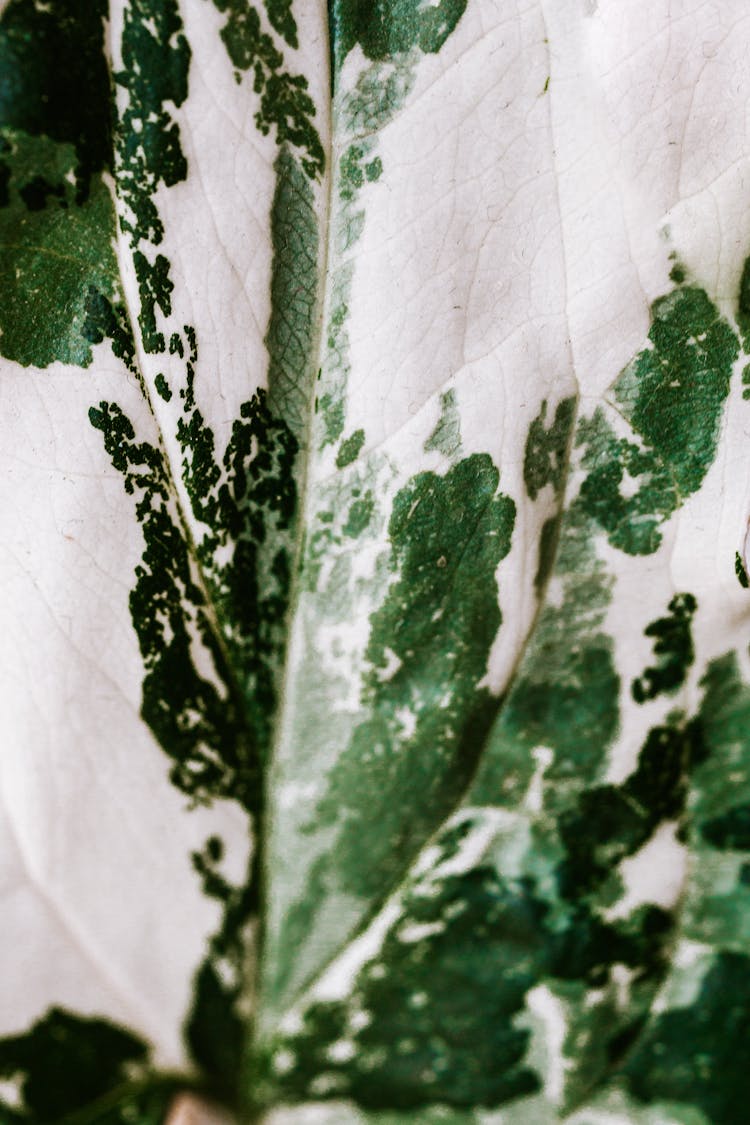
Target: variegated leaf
(375, 607)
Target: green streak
(291, 333)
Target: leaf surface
(376, 674)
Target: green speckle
(155, 289)
(162, 387)
(285, 104)
(201, 731)
(107, 321)
(350, 449)
(446, 437)
(156, 59)
(674, 647)
(546, 454)
(740, 571)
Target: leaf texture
(374, 495)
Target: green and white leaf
(374, 499)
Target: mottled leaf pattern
(375, 505)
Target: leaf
(374, 614)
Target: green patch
(672, 394)
(611, 822)
(740, 571)
(546, 455)
(54, 248)
(285, 105)
(433, 1016)
(743, 299)
(215, 1029)
(446, 437)
(359, 516)
(426, 716)
(564, 696)
(162, 387)
(201, 727)
(700, 1054)
(674, 648)
(384, 28)
(282, 20)
(55, 84)
(350, 449)
(65, 1064)
(56, 216)
(548, 539)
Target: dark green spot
(162, 387)
(546, 454)
(674, 647)
(66, 1062)
(350, 448)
